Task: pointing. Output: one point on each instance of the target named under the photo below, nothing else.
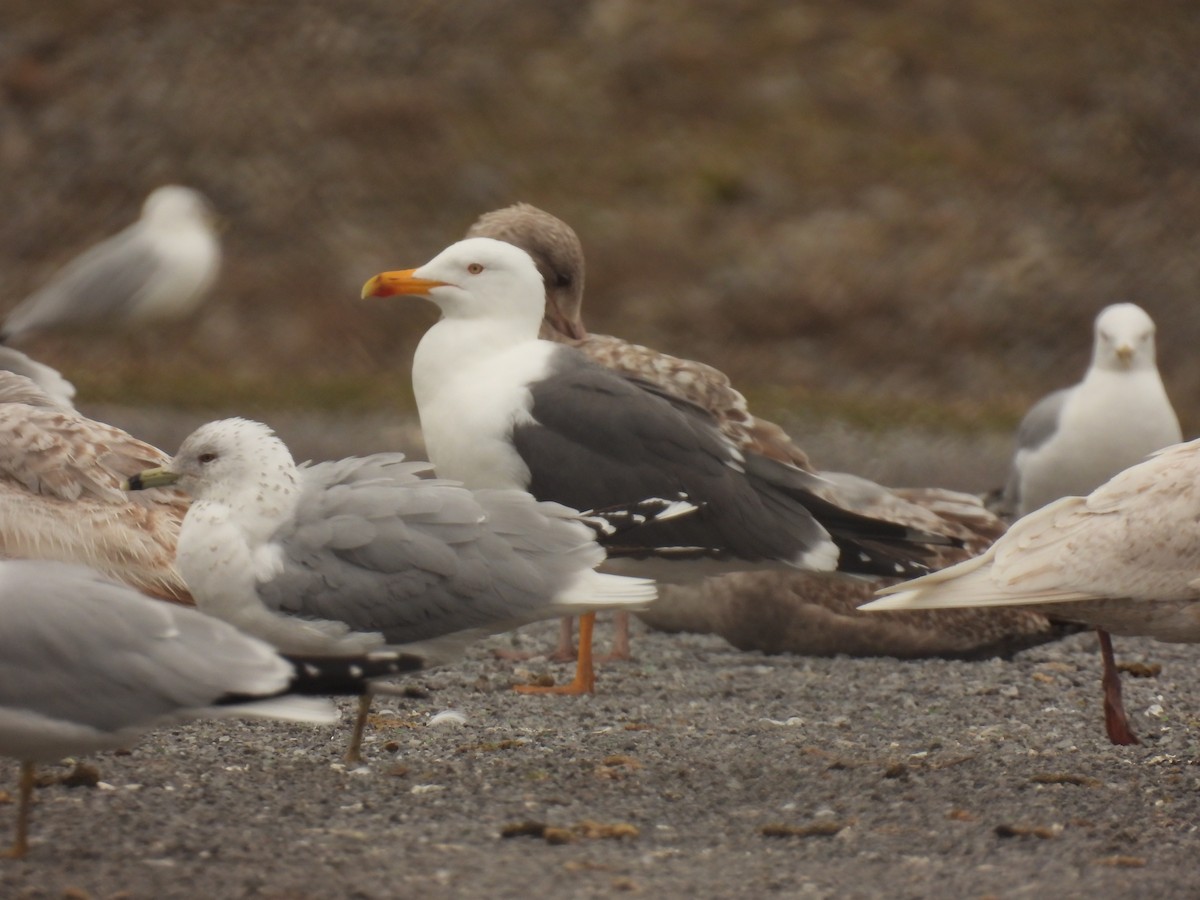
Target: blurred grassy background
(893, 212)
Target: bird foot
(1117, 726)
(616, 655)
(574, 687)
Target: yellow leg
(354, 751)
(585, 675)
(21, 845)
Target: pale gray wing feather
(381, 549)
(79, 648)
(1042, 420)
(102, 284)
(1035, 430)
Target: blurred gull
(1075, 439)
(61, 497)
(353, 555)
(1126, 558)
(87, 664)
(160, 267)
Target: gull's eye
(206, 457)
(474, 268)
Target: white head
(1124, 339)
(236, 462)
(176, 205)
(479, 278)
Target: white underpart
(470, 403)
(190, 260)
(1116, 417)
(1111, 421)
(225, 550)
(223, 565)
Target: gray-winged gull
(1073, 440)
(1125, 558)
(750, 609)
(352, 555)
(61, 497)
(160, 267)
(501, 408)
(87, 664)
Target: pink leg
(620, 647)
(1115, 720)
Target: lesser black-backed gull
(765, 600)
(501, 408)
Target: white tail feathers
(314, 710)
(594, 591)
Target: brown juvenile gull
(1076, 438)
(798, 598)
(1125, 558)
(160, 267)
(61, 497)
(365, 553)
(88, 664)
(501, 408)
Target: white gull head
(1124, 339)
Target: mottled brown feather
(60, 494)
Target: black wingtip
(342, 676)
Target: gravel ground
(695, 770)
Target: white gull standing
(501, 408)
(160, 267)
(1073, 440)
(362, 553)
(87, 664)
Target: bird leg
(354, 751)
(21, 845)
(620, 651)
(1115, 721)
(563, 652)
(585, 675)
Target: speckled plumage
(60, 495)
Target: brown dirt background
(897, 211)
